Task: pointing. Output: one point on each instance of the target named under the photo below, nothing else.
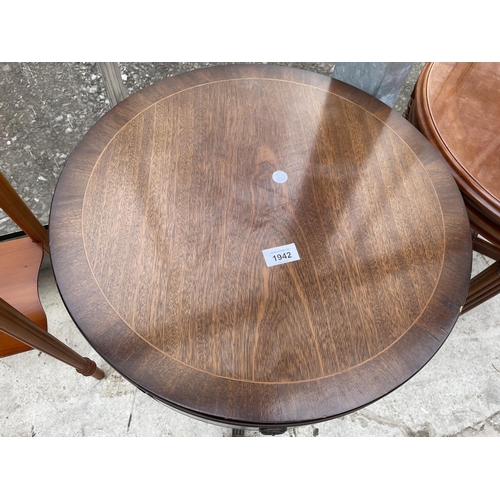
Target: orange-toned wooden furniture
(457, 108)
(23, 323)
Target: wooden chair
(23, 323)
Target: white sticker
(280, 177)
(281, 255)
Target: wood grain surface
(163, 210)
(20, 261)
(458, 110)
(18, 211)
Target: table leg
(264, 431)
(486, 248)
(113, 82)
(272, 432)
(15, 324)
(483, 287)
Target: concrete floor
(456, 394)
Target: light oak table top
(164, 211)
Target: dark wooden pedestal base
(264, 431)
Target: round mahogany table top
(458, 109)
(166, 232)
